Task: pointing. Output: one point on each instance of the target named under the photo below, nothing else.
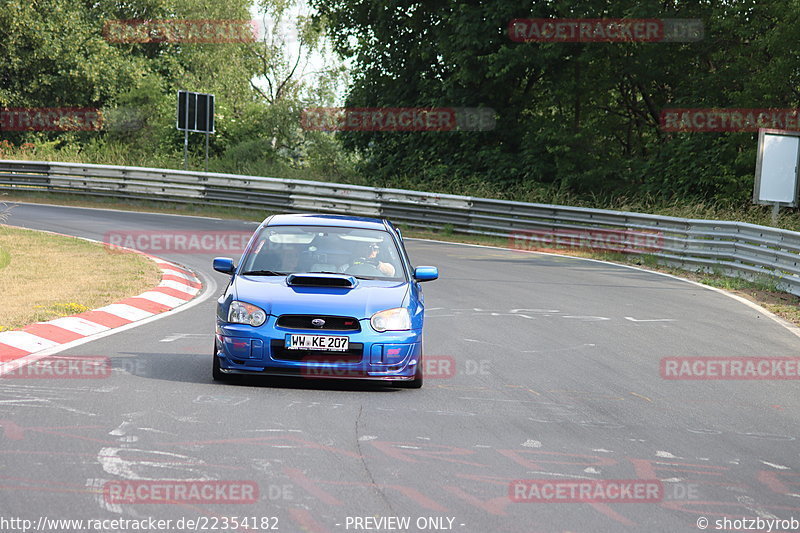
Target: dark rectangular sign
(195, 112)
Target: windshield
(366, 254)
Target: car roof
(325, 220)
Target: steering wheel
(364, 269)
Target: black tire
(216, 371)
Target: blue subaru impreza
(322, 296)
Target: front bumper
(388, 356)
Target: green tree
(580, 117)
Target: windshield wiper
(263, 273)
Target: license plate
(317, 342)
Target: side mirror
(224, 265)
(426, 273)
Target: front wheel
(415, 383)
(216, 371)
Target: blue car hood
(277, 298)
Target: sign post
(185, 129)
(195, 114)
(777, 169)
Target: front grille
(332, 323)
(281, 353)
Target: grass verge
(762, 292)
(45, 276)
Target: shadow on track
(194, 368)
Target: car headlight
(396, 319)
(242, 313)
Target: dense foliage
(573, 120)
(574, 116)
(55, 53)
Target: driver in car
(371, 258)
(290, 258)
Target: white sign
(777, 167)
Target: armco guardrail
(735, 248)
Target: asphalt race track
(546, 367)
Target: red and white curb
(177, 287)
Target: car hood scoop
(339, 281)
